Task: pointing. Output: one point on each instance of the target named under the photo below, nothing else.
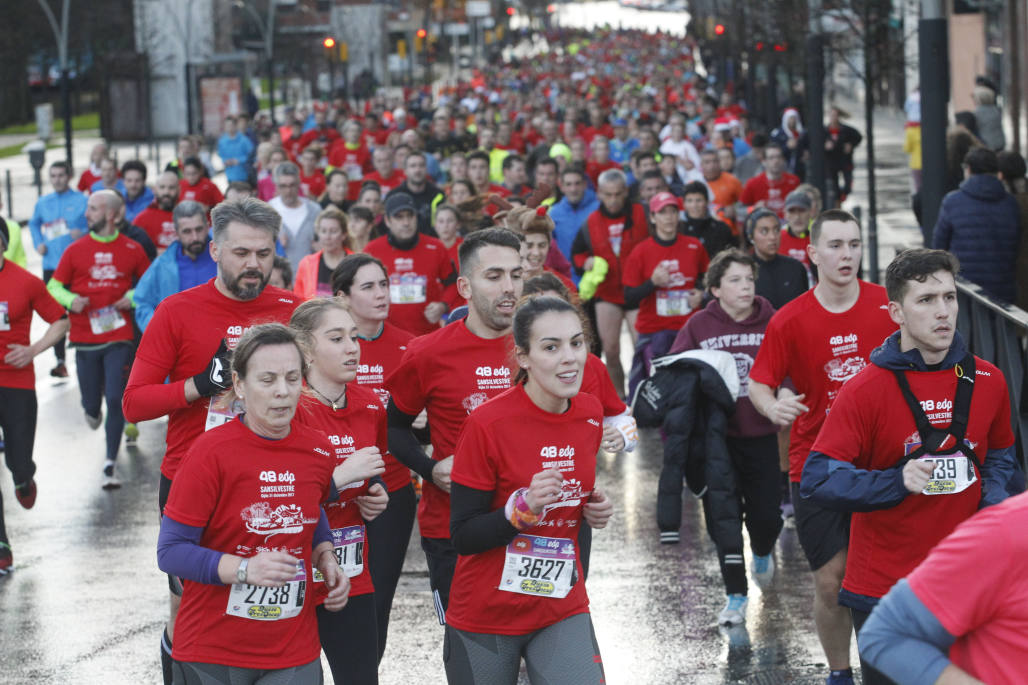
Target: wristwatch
(241, 571)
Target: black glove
(218, 374)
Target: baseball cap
(798, 198)
(398, 202)
(662, 200)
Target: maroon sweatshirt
(713, 329)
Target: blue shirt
(99, 185)
(622, 152)
(192, 272)
(568, 218)
(238, 148)
(134, 207)
(54, 216)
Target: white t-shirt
(292, 217)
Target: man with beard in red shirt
(156, 219)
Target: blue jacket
(979, 223)
(69, 206)
(134, 207)
(839, 485)
(238, 148)
(567, 219)
(160, 280)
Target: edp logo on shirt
(551, 452)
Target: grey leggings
(196, 673)
(564, 653)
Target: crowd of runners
(412, 307)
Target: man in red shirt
(350, 153)
(182, 364)
(21, 293)
(770, 188)
(156, 219)
(916, 442)
(662, 278)
(195, 186)
(421, 275)
(384, 174)
(820, 340)
(450, 373)
(312, 179)
(796, 235)
(94, 280)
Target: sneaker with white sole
(734, 612)
(669, 537)
(763, 570)
(110, 478)
(94, 421)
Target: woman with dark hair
(355, 423)
(361, 283)
(523, 482)
(337, 187)
(244, 529)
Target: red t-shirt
(819, 351)
(794, 247)
(186, 330)
(665, 309)
(250, 494)
(103, 272)
(609, 238)
(312, 186)
(379, 357)
(596, 382)
(773, 193)
(204, 192)
(417, 277)
(21, 293)
(355, 161)
(396, 179)
(987, 556)
(503, 444)
(158, 225)
(450, 372)
(593, 169)
(86, 180)
(871, 427)
(361, 423)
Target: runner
(450, 373)
(314, 273)
(189, 338)
(820, 340)
(361, 283)
(94, 280)
(355, 423)
(916, 442)
(244, 528)
(22, 294)
(523, 481)
(745, 486)
(421, 275)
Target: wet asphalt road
(86, 602)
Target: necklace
(335, 402)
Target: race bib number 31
(953, 473)
(538, 566)
(348, 545)
(269, 603)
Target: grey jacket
(298, 246)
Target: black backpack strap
(931, 437)
(965, 371)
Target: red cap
(662, 200)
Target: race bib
(269, 603)
(407, 288)
(953, 473)
(615, 245)
(539, 567)
(5, 316)
(348, 544)
(673, 302)
(105, 320)
(354, 172)
(54, 229)
(219, 415)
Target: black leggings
(442, 562)
(869, 674)
(388, 537)
(563, 653)
(18, 409)
(196, 673)
(350, 639)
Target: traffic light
(719, 29)
(419, 40)
(551, 8)
(329, 42)
(511, 11)
(760, 46)
(422, 33)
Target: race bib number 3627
(539, 566)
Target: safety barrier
(998, 333)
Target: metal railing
(998, 333)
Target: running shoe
(94, 421)
(734, 612)
(669, 537)
(26, 493)
(844, 677)
(131, 433)
(59, 371)
(110, 480)
(6, 559)
(763, 570)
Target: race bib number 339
(953, 473)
